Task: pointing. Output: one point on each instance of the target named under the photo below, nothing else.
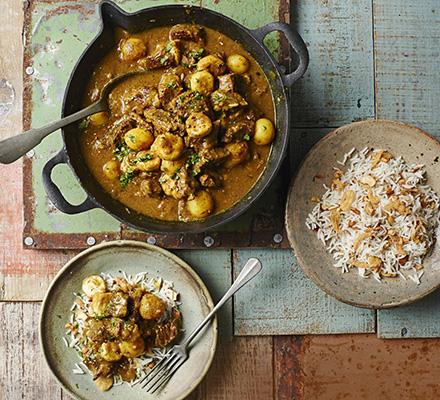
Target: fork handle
(252, 268)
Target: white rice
(166, 293)
(404, 261)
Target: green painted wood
(338, 86)
(407, 57)
(214, 268)
(418, 320)
(282, 300)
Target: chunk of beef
(169, 87)
(187, 32)
(229, 83)
(166, 56)
(138, 100)
(225, 101)
(164, 121)
(127, 122)
(189, 102)
(210, 179)
(178, 183)
(151, 187)
(238, 126)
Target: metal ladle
(11, 149)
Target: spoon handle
(14, 147)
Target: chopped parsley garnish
(191, 104)
(174, 176)
(163, 60)
(59, 316)
(198, 96)
(196, 54)
(192, 159)
(171, 85)
(169, 47)
(162, 180)
(184, 65)
(121, 150)
(146, 157)
(132, 138)
(194, 172)
(84, 123)
(125, 179)
(246, 137)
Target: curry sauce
(188, 139)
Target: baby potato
(138, 139)
(168, 146)
(131, 49)
(111, 169)
(202, 205)
(264, 132)
(213, 64)
(152, 307)
(198, 125)
(99, 119)
(104, 382)
(147, 161)
(237, 63)
(202, 82)
(238, 153)
(93, 284)
(110, 351)
(100, 303)
(132, 349)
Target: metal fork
(178, 354)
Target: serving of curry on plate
(189, 138)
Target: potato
(138, 139)
(152, 307)
(202, 205)
(171, 166)
(110, 351)
(202, 82)
(168, 146)
(132, 349)
(99, 119)
(213, 64)
(198, 125)
(237, 63)
(264, 132)
(131, 49)
(104, 382)
(238, 153)
(111, 169)
(93, 284)
(147, 161)
(100, 303)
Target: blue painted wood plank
(418, 320)
(338, 87)
(407, 43)
(282, 300)
(214, 268)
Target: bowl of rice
(68, 315)
(363, 214)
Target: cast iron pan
(251, 40)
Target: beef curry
(188, 139)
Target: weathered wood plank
(11, 82)
(418, 320)
(282, 300)
(242, 370)
(214, 268)
(407, 42)
(339, 85)
(364, 367)
(23, 372)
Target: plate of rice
(363, 214)
(113, 311)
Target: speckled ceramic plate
(415, 146)
(131, 257)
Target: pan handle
(54, 193)
(294, 40)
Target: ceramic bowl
(416, 147)
(115, 258)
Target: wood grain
(11, 56)
(282, 300)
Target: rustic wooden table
(281, 338)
